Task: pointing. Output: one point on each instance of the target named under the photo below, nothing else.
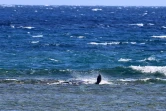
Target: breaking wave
(150, 69)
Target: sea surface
(50, 57)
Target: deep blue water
(44, 47)
(63, 41)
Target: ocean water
(50, 57)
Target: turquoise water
(50, 57)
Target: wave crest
(150, 69)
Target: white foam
(127, 80)
(54, 60)
(144, 79)
(91, 80)
(138, 24)
(151, 58)
(81, 37)
(96, 9)
(119, 8)
(113, 43)
(162, 36)
(129, 42)
(37, 36)
(148, 59)
(11, 79)
(35, 42)
(161, 79)
(104, 43)
(124, 60)
(164, 27)
(150, 24)
(150, 69)
(144, 14)
(12, 26)
(57, 83)
(28, 27)
(133, 42)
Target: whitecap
(104, 43)
(12, 26)
(133, 42)
(151, 58)
(150, 24)
(144, 79)
(138, 24)
(129, 42)
(96, 9)
(53, 60)
(11, 79)
(46, 5)
(162, 36)
(164, 27)
(35, 42)
(57, 82)
(148, 59)
(127, 80)
(28, 27)
(95, 43)
(37, 36)
(124, 60)
(144, 14)
(150, 69)
(81, 37)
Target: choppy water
(42, 47)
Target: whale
(98, 79)
(79, 82)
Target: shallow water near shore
(19, 97)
